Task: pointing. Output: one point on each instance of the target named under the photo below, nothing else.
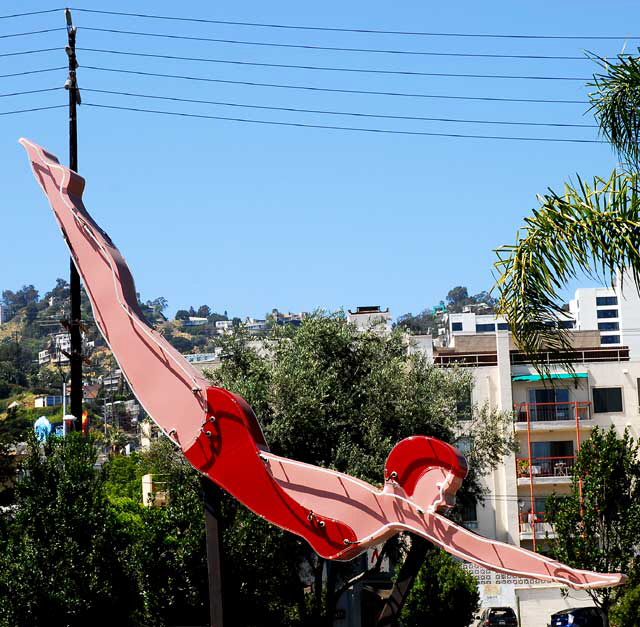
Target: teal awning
(553, 375)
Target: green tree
(615, 101)
(153, 309)
(16, 300)
(329, 395)
(457, 298)
(58, 565)
(598, 525)
(423, 323)
(60, 292)
(443, 593)
(626, 612)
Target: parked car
(497, 617)
(582, 616)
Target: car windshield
(502, 611)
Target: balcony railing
(545, 466)
(534, 521)
(549, 412)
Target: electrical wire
(350, 30)
(31, 91)
(325, 112)
(344, 49)
(345, 128)
(17, 54)
(331, 90)
(33, 32)
(34, 109)
(49, 69)
(6, 17)
(333, 69)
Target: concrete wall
(536, 604)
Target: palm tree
(591, 228)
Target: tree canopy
(598, 525)
(330, 395)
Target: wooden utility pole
(75, 359)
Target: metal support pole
(211, 504)
(75, 359)
(576, 458)
(532, 501)
(408, 572)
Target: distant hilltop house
(130, 408)
(224, 327)
(293, 319)
(59, 348)
(49, 400)
(203, 358)
(370, 317)
(194, 321)
(112, 381)
(255, 326)
(3, 314)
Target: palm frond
(592, 229)
(616, 104)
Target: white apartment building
(612, 311)
(550, 423)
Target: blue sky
(247, 217)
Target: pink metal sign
(340, 516)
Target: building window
(601, 301)
(566, 324)
(464, 409)
(608, 326)
(503, 326)
(607, 400)
(456, 326)
(607, 313)
(549, 404)
(485, 328)
(610, 339)
(470, 516)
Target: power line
(326, 112)
(6, 17)
(344, 128)
(16, 54)
(332, 90)
(332, 69)
(351, 30)
(29, 110)
(50, 69)
(31, 91)
(344, 49)
(32, 32)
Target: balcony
(545, 470)
(552, 416)
(535, 522)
